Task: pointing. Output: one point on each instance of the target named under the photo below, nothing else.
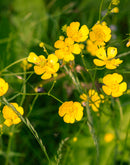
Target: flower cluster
(100, 34)
(45, 67)
(71, 111)
(94, 99)
(10, 116)
(66, 48)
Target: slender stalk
(8, 149)
(30, 127)
(92, 130)
(55, 98)
(120, 108)
(7, 67)
(100, 9)
(124, 54)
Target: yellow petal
(76, 49)
(72, 29)
(59, 44)
(69, 41)
(117, 77)
(116, 94)
(39, 70)
(8, 122)
(33, 58)
(106, 89)
(98, 62)
(46, 76)
(111, 52)
(101, 53)
(107, 79)
(123, 87)
(66, 118)
(52, 59)
(84, 31)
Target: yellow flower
(94, 99)
(115, 2)
(66, 49)
(10, 116)
(45, 67)
(71, 111)
(41, 44)
(3, 87)
(128, 43)
(115, 10)
(113, 86)
(75, 139)
(108, 137)
(108, 59)
(91, 47)
(78, 35)
(100, 34)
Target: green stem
(75, 80)
(24, 88)
(100, 9)
(92, 130)
(120, 108)
(124, 54)
(30, 127)
(7, 67)
(8, 149)
(55, 98)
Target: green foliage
(23, 25)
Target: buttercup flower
(100, 34)
(66, 49)
(77, 35)
(115, 10)
(108, 137)
(115, 2)
(108, 59)
(10, 116)
(94, 99)
(3, 87)
(45, 67)
(113, 86)
(71, 111)
(91, 47)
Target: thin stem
(100, 9)
(7, 67)
(124, 54)
(30, 127)
(52, 87)
(24, 88)
(120, 108)
(55, 98)
(92, 130)
(8, 149)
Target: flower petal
(123, 87)
(76, 49)
(39, 70)
(33, 58)
(111, 52)
(98, 62)
(101, 53)
(106, 89)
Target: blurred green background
(23, 25)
